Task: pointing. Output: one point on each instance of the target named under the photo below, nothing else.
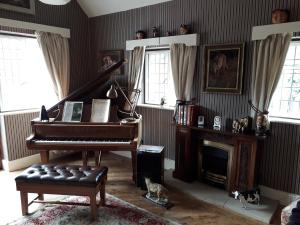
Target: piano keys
(84, 136)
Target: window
(25, 82)
(286, 99)
(158, 81)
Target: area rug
(116, 212)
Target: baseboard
(26, 161)
(284, 198)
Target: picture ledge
(187, 39)
(262, 32)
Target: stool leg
(24, 202)
(84, 158)
(102, 191)
(93, 205)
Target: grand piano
(84, 136)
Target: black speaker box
(150, 163)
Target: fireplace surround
(244, 156)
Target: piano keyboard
(80, 142)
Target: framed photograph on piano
(72, 111)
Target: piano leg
(98, 158)
(44, 156)
(133, 161)
(84, 158)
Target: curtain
(268, 59)
(55, 49)
(183, 60)
(136, 66)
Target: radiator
(15, 128)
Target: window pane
(158, 78)
(24, 79)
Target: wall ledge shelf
(188, 39)
(262, 32)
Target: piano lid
(89, 90)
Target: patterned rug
(116, 212)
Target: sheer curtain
(183, 61)
(55, 49)
(268, 59)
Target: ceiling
(102, 7)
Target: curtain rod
(65, 32)
(9, 33)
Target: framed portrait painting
(22, 6)
(107, 58)
(223, 71)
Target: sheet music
(100, 110)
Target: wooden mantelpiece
(244, 159)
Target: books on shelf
(187, 113)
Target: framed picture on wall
(23, 6)
(223, 70)
(107, 58)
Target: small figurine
(280, 16)
(156, 192)
(252, 196)
(44, 115)
(236, 126)
(169, 33)
(184, 29)
(242, 125)
(163, 101)
(155, 32)
(140, 34)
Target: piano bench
(62, 180)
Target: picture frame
(22, 6)
(107, 58)
(72, 111)
(224, 68)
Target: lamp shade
(112, 92)
(55, 2)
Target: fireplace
(215, 161)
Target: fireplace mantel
(243, 167)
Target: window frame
(31, 108)
(280, 118)
(143, 80)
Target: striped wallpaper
(217, 21)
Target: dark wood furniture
(150, 163)
(84, 136)
(62, 180)
(244, 163)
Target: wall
(217, 21)
(68, 16)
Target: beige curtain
(56, 53)
(136, 67)
(268, 59)
(183, 60)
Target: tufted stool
(62, 180)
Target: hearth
(215, 163)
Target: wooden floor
(187, 210)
